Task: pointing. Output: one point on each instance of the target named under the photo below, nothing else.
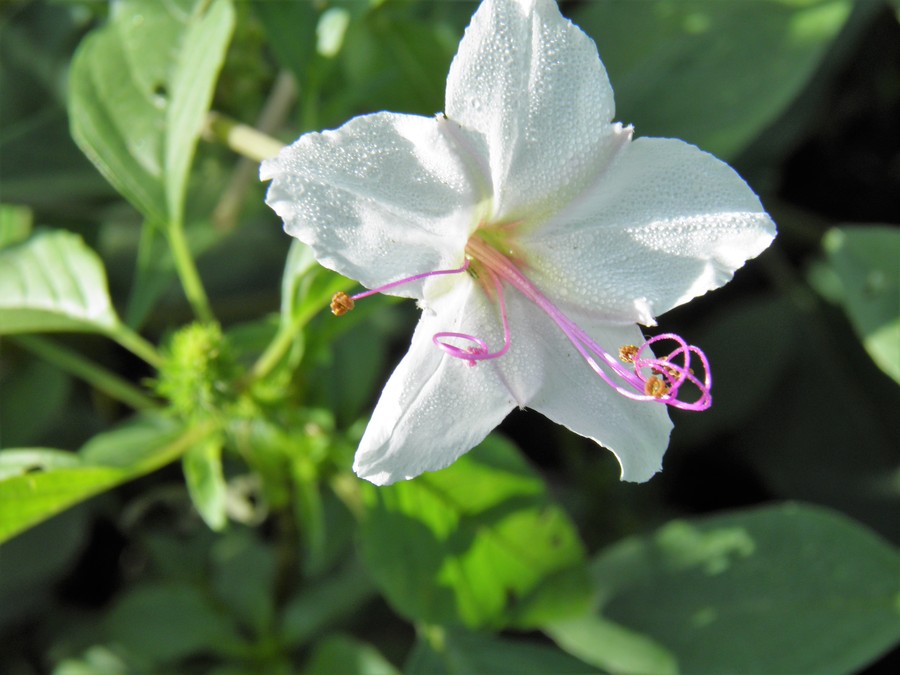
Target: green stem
(137, 345)
(187, 272)
(92, 373)
(243, 139)
(286, 334)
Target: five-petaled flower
(535, 234)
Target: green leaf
(41, 483)
(205, 480)
(343, 654)
(789, 589)
(167, 621)
(15, 224)
(865, 264)
(713, 73)
(243, 577)
(139, 90)
(459, 653)
(479, 543)
(326, 602)
(612, 647)
(53, 282)
(22, 461)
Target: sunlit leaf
(139, 90)
(479, 543)
(785, 589)
(39, 484)
(710, 72)
(53, 282)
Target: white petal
(384, 197)
(571, 394)
(666, 223)
(435, 407)
(531, 83)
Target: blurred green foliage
(185, 327)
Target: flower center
(636, 373)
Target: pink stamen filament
(480, 352)
(634, 380)
(408, 280)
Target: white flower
(535, 234)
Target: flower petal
(571, 394)
(531, 83)
(666, 223)
(384, 197)
(436, 407)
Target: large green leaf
(479, 543)
(140, 88)
(863, 271)
(38, 483)
(784, 589)
(166, 621)
(53, 282)
(460, 653)
(710, 72)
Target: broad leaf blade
(139, 89)
(479, 543)
(206, 36)
(53, 282)
(787, 589)
(37, 484)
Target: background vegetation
(164, 349)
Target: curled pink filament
(480, 351)
(637, 374)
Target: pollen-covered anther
(627, 353)
(341, 303)
(655, 387)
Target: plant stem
(285, 336)
(92, 373)
(187, 272)
(243, 139)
